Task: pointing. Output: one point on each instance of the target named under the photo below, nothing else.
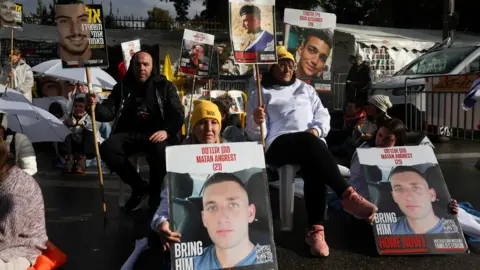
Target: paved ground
(75, 223)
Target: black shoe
(136, 199)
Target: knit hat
(382, 102)
(283, 53)
(3, 120)
(205, 109)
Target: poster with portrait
(81, 35)
(219, 203)
(11, 15)
(310, 38)
(129, 48)
(197, 49)
(414, 216)
(252, 31)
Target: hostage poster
(197, 50)
(11, 15)
(414, 217)
(252, 31)
(81, 35)
(309, 37)
(219, 204)
(129, 49)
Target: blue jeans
(105, 130)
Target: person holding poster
(294, 133)
(252, 31)
(197, 49)
(310, 37)
(21, 75)
(81, 34)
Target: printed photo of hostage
(11, 15)
(253, 31)
(220, 209)
(310, 38)
(81, 35)
(197, 50)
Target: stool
(135, 160)
(287, 175)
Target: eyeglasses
(286, 64)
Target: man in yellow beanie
(206, 122)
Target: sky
(126, 7)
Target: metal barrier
(339, 83)
(437, 108)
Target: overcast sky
(126, 7)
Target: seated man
(80, 143)
(19, 147)
(148, 116)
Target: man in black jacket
(148, 115)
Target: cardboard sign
(129, 48)
(11, 15)
(197, 50)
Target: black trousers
(154, 257)
(85, 147)
(116, 150)
(318, 168)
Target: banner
(197, 49)
(81, 35)
(309, 37)
(252, 31)
(129, 48)
(414, 217)
(219, 203)
(11, 15)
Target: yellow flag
(167, 68)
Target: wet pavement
(75, 223)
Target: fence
(437, 109)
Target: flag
(167, 68)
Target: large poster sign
(414, 217)
(129, 48)
(252, 31)
(11, 15)
(309, 37)
(197, 49)
(81, 35)
(219, 204)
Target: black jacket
(171, 109)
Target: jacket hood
(129, 78)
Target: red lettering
(389, 242)
(413, 241)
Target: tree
(181, 7)
(40, 7)
(158, 18)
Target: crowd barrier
(434, 106)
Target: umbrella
(45, 102)
(12, 94)
(35, 123)
(54, 68)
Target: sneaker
(81, 164)
(354, 204)
(135, 201)
(316, 240)
(68, 167)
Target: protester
(294, 134)
(390, 133)
(80, 143)
(206, 124)
(376, 109)
(19, 146)
(23, 234)
(148, 116)
(21, 75)
(358, 79)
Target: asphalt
(76, 224)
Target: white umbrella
(12, 94)
(35, 123)
(54, 68)
(45, 102)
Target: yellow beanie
(283, 53)
(205, 109)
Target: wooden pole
(260, 103)
(97, 152)
(12, 77)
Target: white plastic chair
(287, 175)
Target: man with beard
(148, 116)
(261, 40)
(73, 33)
